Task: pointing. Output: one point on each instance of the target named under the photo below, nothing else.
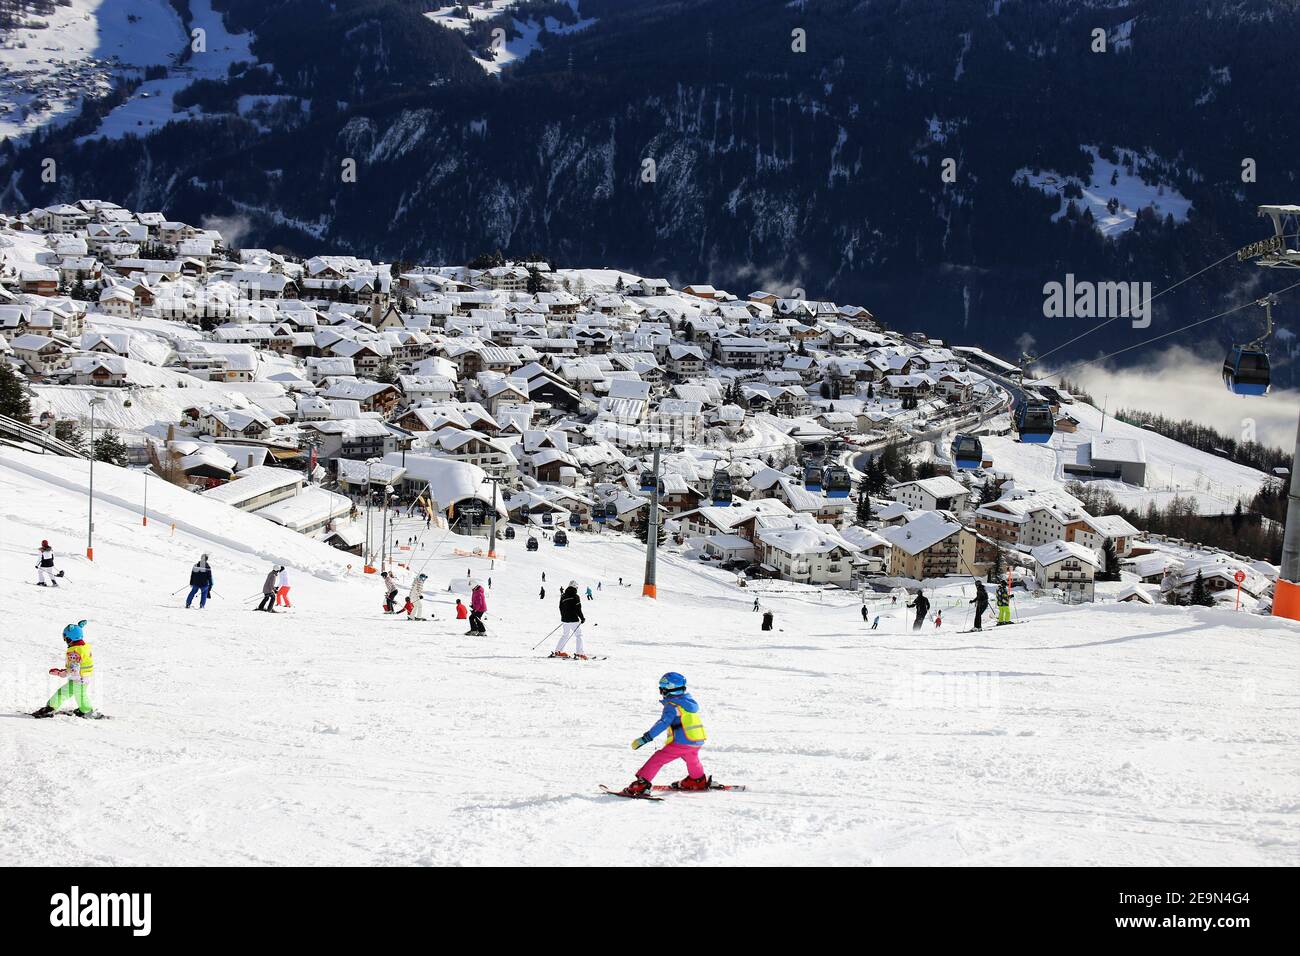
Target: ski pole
(178, 590)
(548, 634)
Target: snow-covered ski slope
(1214, 483)
(331, 734)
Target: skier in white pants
(572, 619)
(415, 600)
(45, 566)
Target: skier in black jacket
(200, 582)
(922, 609)
(981, 602)
(572, 619)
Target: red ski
(630, 796)
(712, 786)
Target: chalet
(42, 354)
(1066, 566)
(101, 370)
(939, 493)
(373, 396)
(807, 555)
(932, 545)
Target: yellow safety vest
(86, 657)
(692, 726)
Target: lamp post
(385, 553)
(90, 510)
(144, 518)
(368, 567)
(648, 589)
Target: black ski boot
(45, 711)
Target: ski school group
(680, 717)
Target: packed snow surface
(332, 734)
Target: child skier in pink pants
(681, 718)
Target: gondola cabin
(647, 479)
(722, 490)
(1246, 371)
(510, 533)
(561, 539)
(967, 452)
(1034, 422)
(812, 477)
(532, 543)
(836, 481)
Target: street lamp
(385, 554)
(370, 463)
(90, 510)
(144, 519)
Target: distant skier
(462, 611)
(768, 618)
(681, 718)
(1004, 604)
(922, 609)
(200, 582)
(282, 589)
(875, 622)
(78, 665)
(571, 620)
(390, 592)
(45, 566)
(541, 594)
(589, 594)
(268, 591)
(938, 620)
(865, 615)
(415, 599)
(543, 577)
(598, 585)
(981, 602)
(477, 608)
(755, 602)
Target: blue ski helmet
(672, 683)
(73, 632)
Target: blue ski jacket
(681, 718)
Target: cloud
(1181, 384)
(234, 229)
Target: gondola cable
(1163, 335)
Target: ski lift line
(1163, 335)
(1157, 295)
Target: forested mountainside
(772, 168)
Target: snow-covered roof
(450, 481)
(1113, 448)
(1055, 552)
(252, 482)
(923, 532)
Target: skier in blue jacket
(681, 718)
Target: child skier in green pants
(79, 664)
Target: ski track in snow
(335, 735)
